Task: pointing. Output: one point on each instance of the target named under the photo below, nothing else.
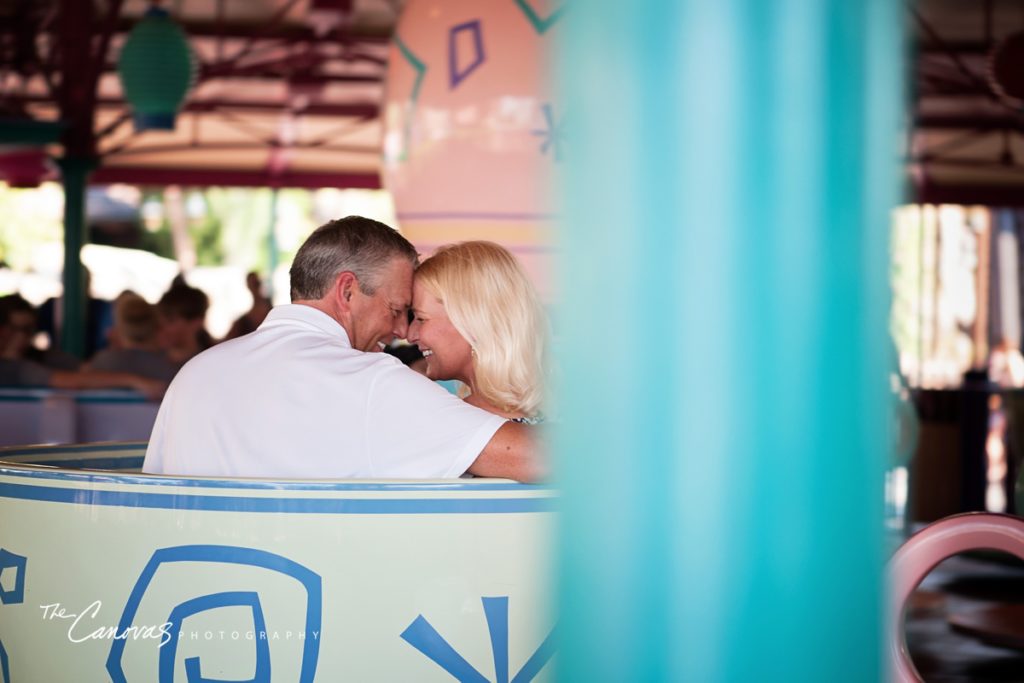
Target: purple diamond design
(458, 70)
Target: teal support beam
(722, 440)
(75, 172)
(81, 60)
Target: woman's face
(448, 355)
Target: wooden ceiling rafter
(241, 146)
(964, 139)
(263, 71)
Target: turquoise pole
(722, 438)
(75, 173)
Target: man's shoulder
(401, 388)
(214, 361)
(284, 348)
(389, 370)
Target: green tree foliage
(227, 225)
(30, 217)
(158, 241)
(235, 229)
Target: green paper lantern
(157, 69)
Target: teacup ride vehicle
(110, 574)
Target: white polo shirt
(295, 400)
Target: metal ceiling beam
(951, 89)
(1009, 169)
(290, 34)
(362, 110)
(236, 147)
(955, 57)
(988, 195)
(294, 33)
(142, 175)
(285, 32)
(277, 69)
(979, 122)
(269, 71)
(962, 47)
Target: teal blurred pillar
(75, 173)
(723, 432)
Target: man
(252, 318)
(18, 319)
(309, 395)
(182, 312)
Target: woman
(477, 319)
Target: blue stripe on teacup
(13, 470)
(22, 452)
(343, 506)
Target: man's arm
(513, 452)
(97, 379)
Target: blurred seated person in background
(477, 319)
(21, 328)
(412, 358)
(99, 318)
(255, 315)
(23, 372)
(409, 354)
(182, 313)
(1006, 364)
(134, 347)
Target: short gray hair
(360, 245)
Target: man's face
(380, 318)
(176, 332)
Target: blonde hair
(135, 319)
(494, 306)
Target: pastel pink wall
(472, 140)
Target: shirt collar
(310, 316)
